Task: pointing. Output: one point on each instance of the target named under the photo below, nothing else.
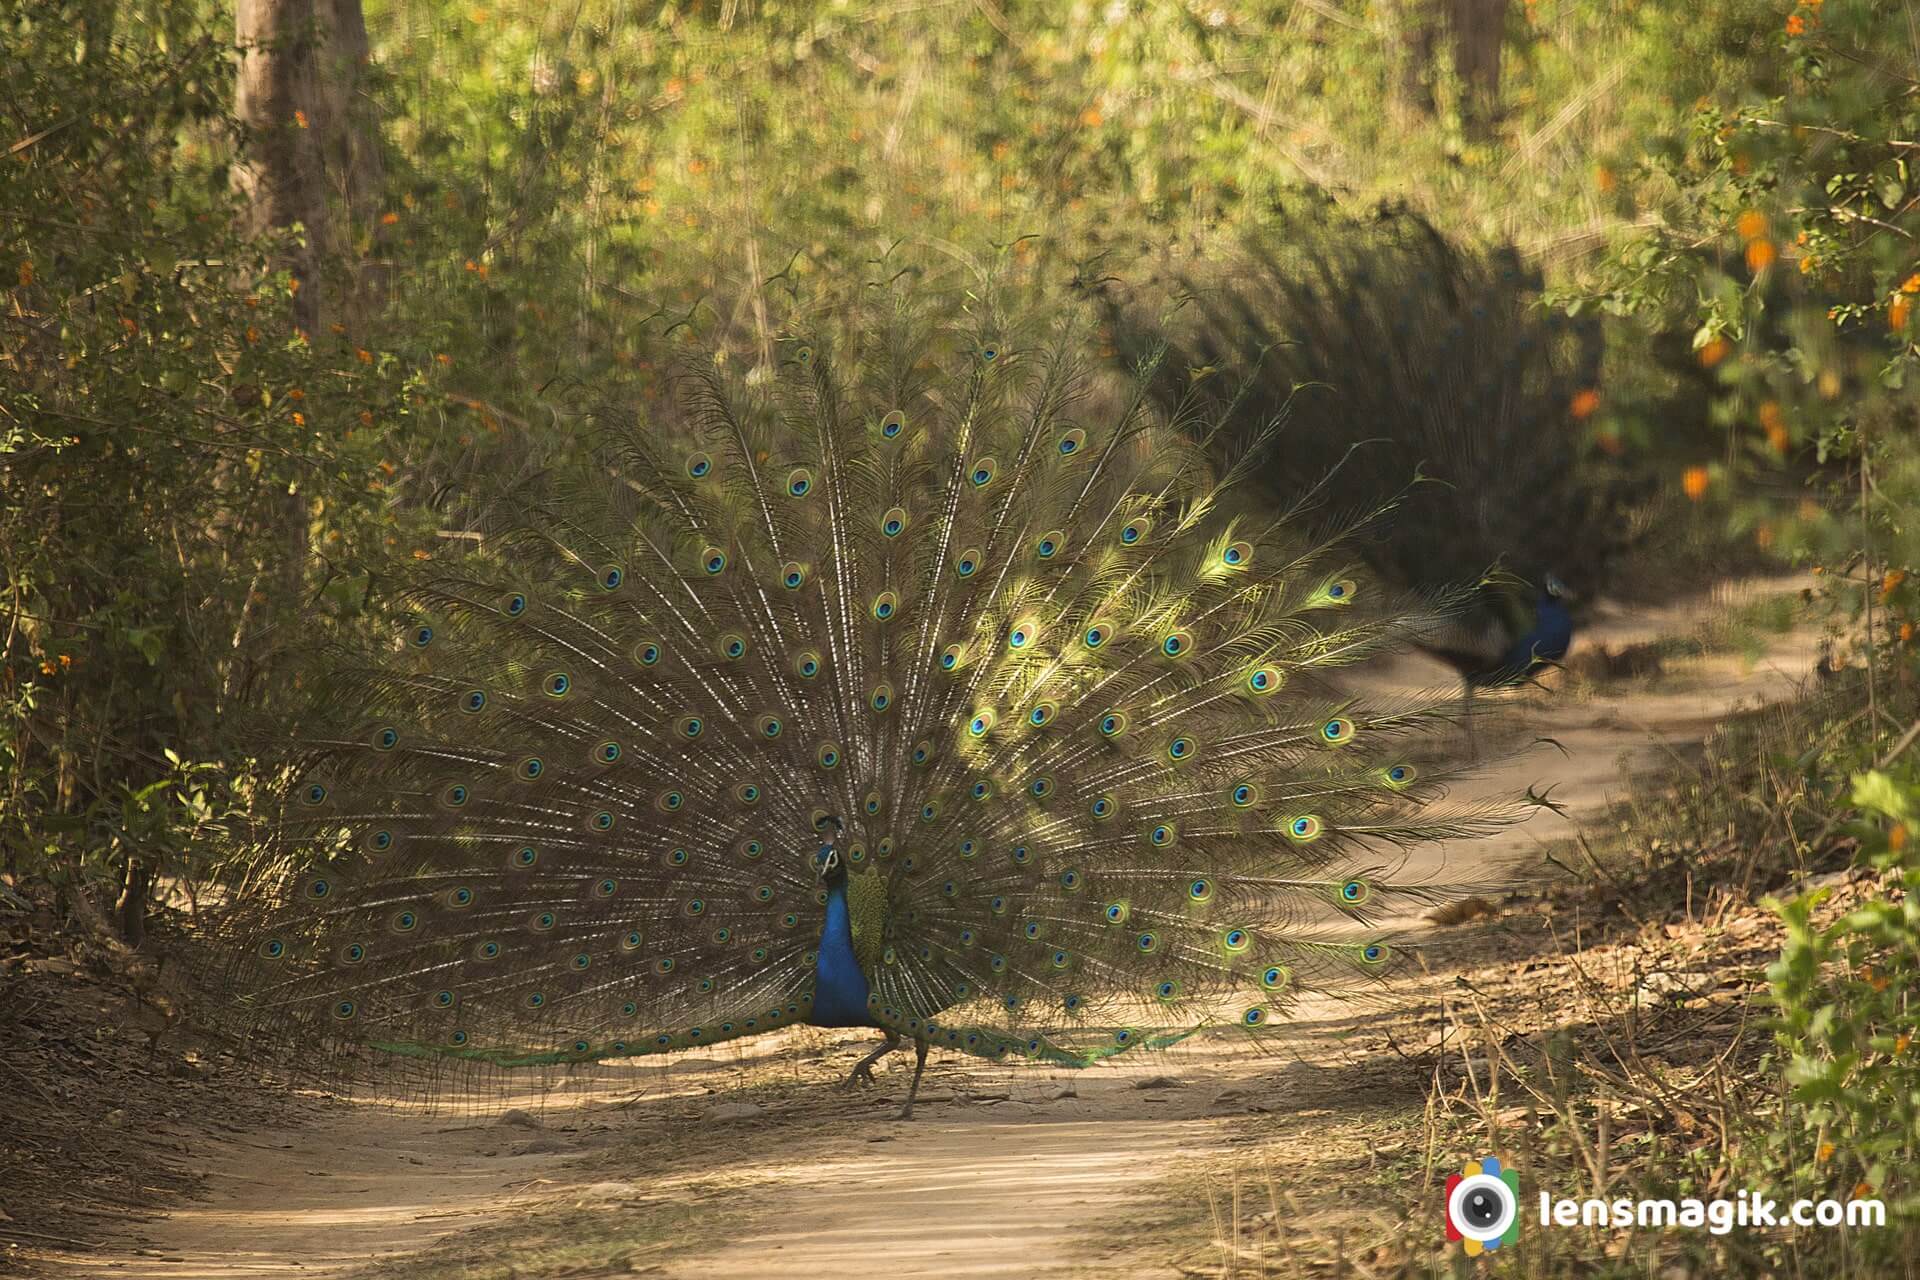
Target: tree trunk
(1479, 27)
(279, 172)
(350, 138)
(1410, 59)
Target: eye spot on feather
(1375, 953)
(1235, 941)
(647, 653)
(828, 755)
(1050, 544)
(1103, 807)
(1263, 680)
(769, 725)
(379, 841)
(611, 578)
(981, 724)
(894, 522)
(1134, 531)
(1042, 714)
(893, 424)
(606, 888)
(422, 636)
(1274, 979)
(690, 727)
(460, 897)
(514, 605)
(1340, 592)
(1163, 835)
(344, 1009)
(523, 857)
(535, 1000)
(607, 752)
(714, 561)
(313, 793)
(1181, 749)
(1146, 943)
(952, 657)
(355, 952)
(997, 963)
(922, 753)
(1304, 828)
(386, 739)
(630, 941)
(558, 684)
(455, 796)
(531, 768)
(1113, 724)
(748, 849)
(403, 921)
(1354, 892)
(670, 802)
(1244, 795)
(1097, 635)
(1071, 442)
(443, 999)
(542, 921)
(983, 472)
(799, 482)
(807, 663)
(272, 949)
(699, 466)
(1237, 555)
(1041, 788)
(930, 811)
(1253, 1017)
(457, 1039)
(885, 605)
(793, 575)
(881, 698)
(998, 905)
(1167, 990)
(967, 563)
(1337, 731)
(1177, 645)
(601, 821)
(981, 790)
(732, 646)
(1399, 775)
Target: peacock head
(828, 865)
(1554, 589)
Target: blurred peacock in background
(915, 679)
(1387, 351)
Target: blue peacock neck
(840, 988)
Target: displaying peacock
(919, 680)
(1388, 351)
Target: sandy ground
(1004, 1171)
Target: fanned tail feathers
(1072, 702)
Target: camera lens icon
(1483, 1205)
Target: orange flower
(296, 394)
(471, 266)
(1796, 25)
(1584, 403)
(1906, 633)
(1891, 582)
(253, 334)
(1862, 1189)
(300, 118)
(1763, 537)
(1898, 311)
(1911, 284)
(482, 273)
(1752, 224)
(1714, 352)
(1091, 117)
(1603, 178)
(418, 554)
(1900, 1045)
(366, 418)
(1824, 1154)
(1694, 482)
(388, 218)
(1760, 255)
(1774, 425)
(337, 327)
(299, 419)
(444, 358)
(26, 274)
(366, 356)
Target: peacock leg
(919, 1066)
(863, 1070)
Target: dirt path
(743, 1165)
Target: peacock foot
(862, 1073)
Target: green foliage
(1775, 282)
(179, 467)
(1846, 1021)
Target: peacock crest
(931, 676)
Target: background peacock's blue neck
(840, 989)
